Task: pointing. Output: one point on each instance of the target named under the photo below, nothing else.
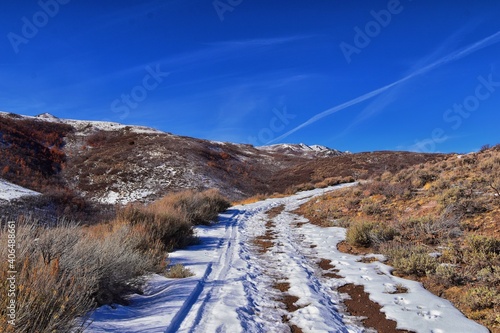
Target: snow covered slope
(301, 149)
(233, 289)
(9, 191)
(87, 126)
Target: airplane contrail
(492, 39)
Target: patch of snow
(47, 116)
(9, 191)
(300, 148)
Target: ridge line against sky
(485, 42)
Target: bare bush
(410, 259)
(482, 297)
(170, 227)
(366, 234)
(430, 230)
(48, 297)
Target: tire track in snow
(190, 302)
(223, 266)
(214, 291)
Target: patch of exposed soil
(282, 286)
(264, 243)
(326, 265)
(273, 212)
(289, 301)
(360, 305)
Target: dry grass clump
(368, 234)
(178, 271)
(68, 269)
(199, 207)
(332, 181)
(410, 260)
(64, 272)
(169, 227)
(252, 199)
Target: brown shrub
(170, 227)
(199, 207)
(66, 270)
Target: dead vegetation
(437, 222)
(67, 269)
(32, 152)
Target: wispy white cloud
(385, 99)
(224, 50)
(453, 56)
(244, 43)
(202, 57)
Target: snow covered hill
(302, 149)
(85, 127)
(239, 287)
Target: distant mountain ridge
(113, 163)
(302, 149)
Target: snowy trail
(235, 284)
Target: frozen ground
(232, 290)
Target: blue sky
(360, 75)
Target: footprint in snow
(221, 329)
(401, 301)
(429, 315)
(366, 278)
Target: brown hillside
(449, 207)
